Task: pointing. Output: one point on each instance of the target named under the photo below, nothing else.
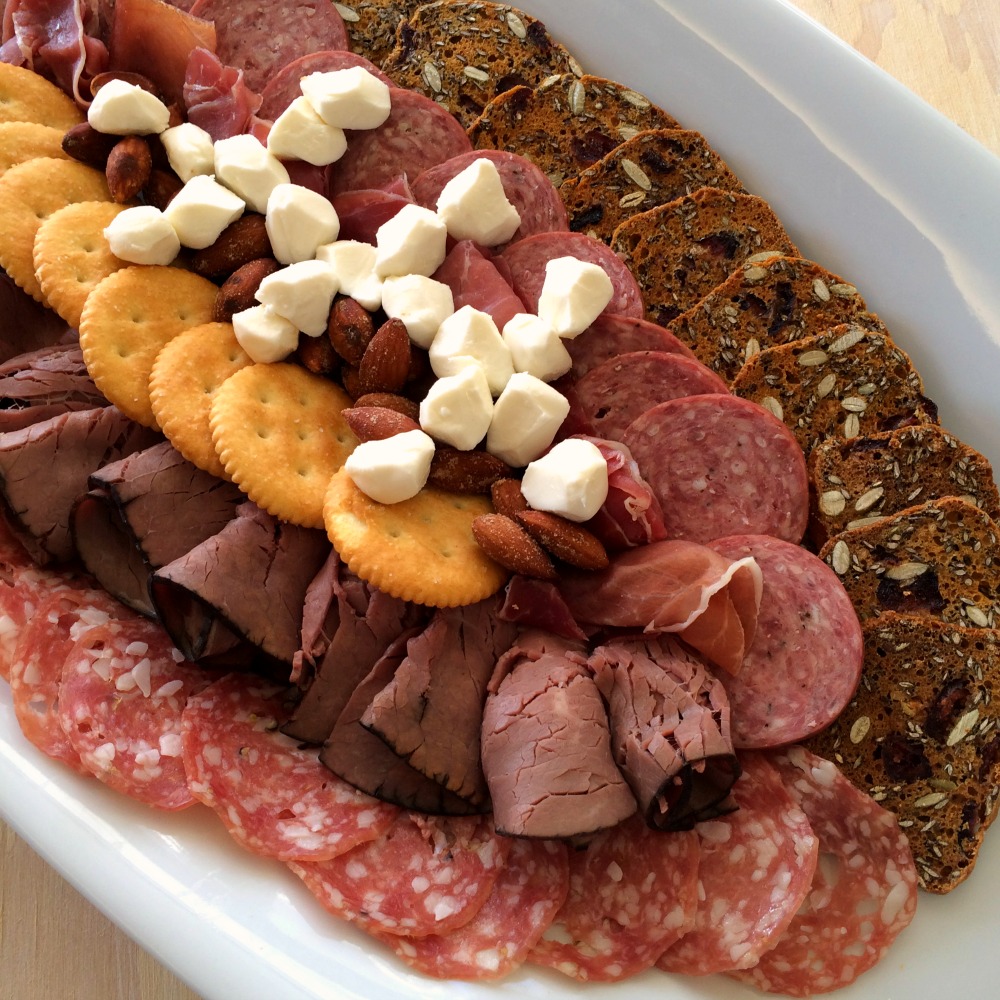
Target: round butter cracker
(420, 550)
(27, 97)
(23, 141)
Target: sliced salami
(274, 797)
(863, 894)
(22, 587)
(756, 867)
(721, 466)
(805, 659)
(632, 893)
(424, 875)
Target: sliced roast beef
(26, 325)
(669, 730)
(431, 711)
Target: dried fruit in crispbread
(849, 381)
(650, 169)
(280, 436)
(27, 97)
(921, 738)
(419, 550)
(858, 481)
(764, 304)
(937, 560)
(22, 141)
(566, 123)
(128, 318)
(371, 25)
(462, 54)
(680, 251)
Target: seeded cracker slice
(30, 192)
(280, 437)
(185, 377)
(23, 141)
(371, 25)
(27, 97)
(567, 123)
(463, 54)
(420, 550)
(921, 738)
(127, 318)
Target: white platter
(871, 183)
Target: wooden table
(944, 50)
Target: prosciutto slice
(475, 281)
(217, 97)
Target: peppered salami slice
(275, 798)
(632, 893)
(424, 875)
(525, 899)
(863, 894)
(721, 467)
(22, 585)
(805, 659)
(755, 869)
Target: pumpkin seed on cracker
(27, 97)
(371, 25)
(23, 141)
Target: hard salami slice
(755, 869)
(864, 891)
(424, 875)
(22, 587)
(275, 798)
(805, 660)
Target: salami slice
(424, 875)
(720, 466)
(756, 867)
(632, 893)
(275, 798)
(22, 587)
(525, 899)
(805, 659)
(863, 894)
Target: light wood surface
(53, 944)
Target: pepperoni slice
(274, 797)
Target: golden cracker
(27, 97)
(31, 192)
(128, 318)
(186, 374)
(420, 550)
(72, 255)
(280, 436)
(22, 141)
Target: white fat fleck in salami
(633, 893)
(756, 867)
(275, 797)
(805, 660)
(864, 891)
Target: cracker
(371, 25)
(419, 550)
(72, 255)
(31, 192)
(186, 374)
(22, 141)
(27, 97)
(280, 436)
(128, 318)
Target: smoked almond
(508, 544)
(565, 539)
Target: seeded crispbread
(858, 481)
(22, 141)
(419, 550)
(463, 54)
(921, 738)
(567, 123)
(371, 25)
(940, 560)
(27, 97)
(680, 251)
(764, 304)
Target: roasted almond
(507, 543)
(566, 540)
(238, 290)
(391, 401)
(386, 362)
(161, 188)
(239, 243)
(465, 471)
(84, 143)
(128, 169)
(375, 423)
(350, 379)
(507, 497)
(350, 329)
(317, 355)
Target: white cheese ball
(298, 222)
(525, 419)
(264, 335)
(353, 263)
(244, 165)
(300, 134)
(190, 150)
(574, 293)
(201, 210)
(535, 347)
(470, 337)
(393, 469)
(421, 303)
(571, 479)
(301, 293)
(121, 108)
(413, 241)
(458, 408)
(348, 98)
(143, 235)
(474, 206)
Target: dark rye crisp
(567, 123)
(371, 25)
(849, 381)
(920, 737)
(680, 251)
(650, 169)
(464, 54)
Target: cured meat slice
(533, 603)
(720, 466)
(274, 797)
(22, 586)
(26, 325)
(864, 891)
(526, 187)
(527, 258)
(362, 212)
(217, 97)
(805, 660)
(632, 893)
(525, 899)
(419, 133)
(424, 875)
(124, 686)
(475, 281)
(755, 869)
